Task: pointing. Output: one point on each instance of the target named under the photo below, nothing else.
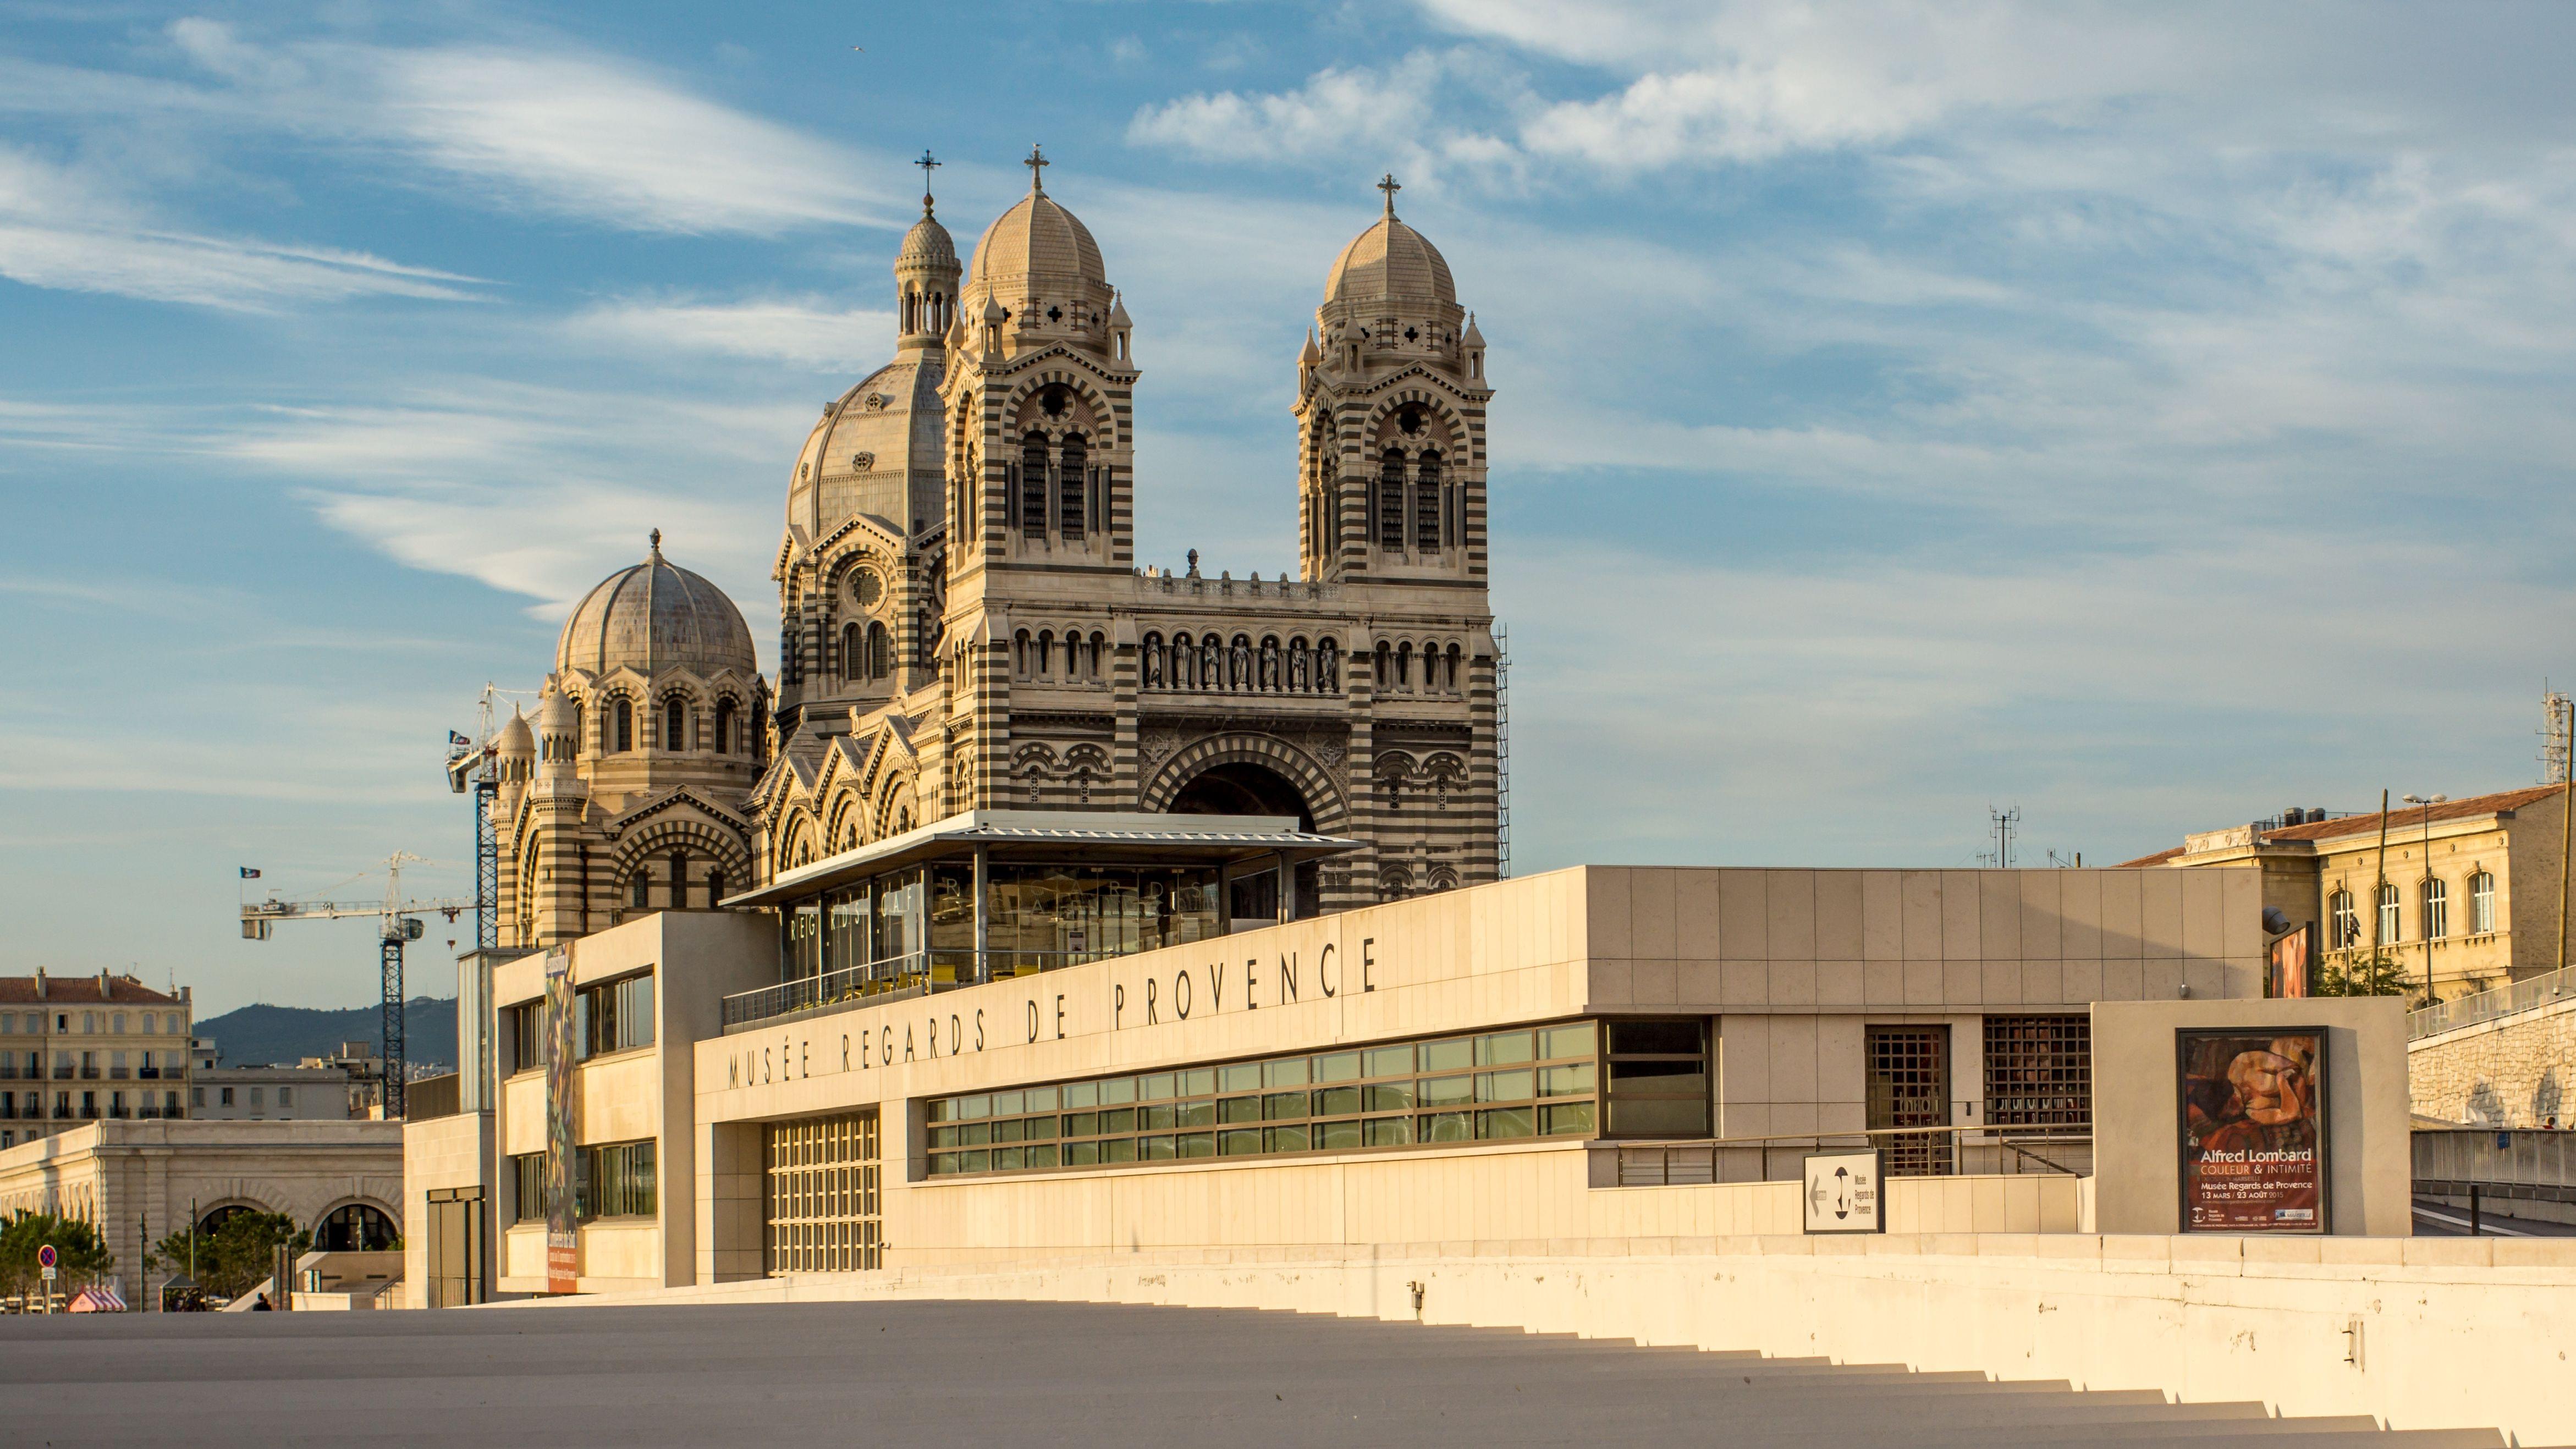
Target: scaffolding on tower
(1502, 753)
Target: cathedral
(965, 631)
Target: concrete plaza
(941, 1372)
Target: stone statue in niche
(1242, 679)
(1328, 669)
(1299, 665)
(1211, 666)
(1154, 668)
(1270, 664)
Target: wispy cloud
(58, 230)
(807, 332)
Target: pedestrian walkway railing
(2053, 1150)
(2528, 994)
(2532, 1163)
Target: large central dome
(652, 616)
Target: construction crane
(401, 923)
(471, 767)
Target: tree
(2365, 973)
(232, 1260)
(81, 1254)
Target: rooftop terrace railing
(2528, 994)
(1910, 1152)
(914, 972)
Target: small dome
(652, 616)
(927, 244)
(1037, 238)
(1390, 259)
(516, 740)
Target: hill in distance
(259, 1035)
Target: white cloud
(584, 136)
(805, 331)
(59, 231)
(1338, 110)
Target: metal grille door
(1909, 1086)
(2039, 1071)
(822, 1212)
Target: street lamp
(2424, 890)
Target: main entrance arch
(1250, 774)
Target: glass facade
(2039, 1071)
(1659, 1079)
(613, 1180)
(891, 930)
(1527, 1082)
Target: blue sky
(2151, 417)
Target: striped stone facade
(1041, 668)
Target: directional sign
(1841, 1192)
(46, 1258)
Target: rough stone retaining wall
(2514, 1071)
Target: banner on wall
(563, 1243)
(2285, 965)
(2253, 1135)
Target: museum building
(1048, 903)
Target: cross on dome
(926, 163)
(657, 543)
(1390, 186)
(1037, 163)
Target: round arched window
(356, 1228)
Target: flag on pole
(250, 872)
(457, 740)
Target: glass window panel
(1082, 1124)
(975, 1134)
(1198, 1082)
(1009, 1104)
(974, 1162)
(1156, 1119)
(943, 1164)
(1006, 1159)
(1081, 1154)
(1008, 1131)
(1569, 1081)
(1448, 1056)
(941, 1109)
(1338, 1067)
(1658, 1117)
(1566, 1119)
(1440, 1091)
(1118, 1149)
(1042, 1099)
(1517, 1086)
(943, 1137)
(1122, 1120)
(1508, 1122)
(1240, 1077)
(1337, 1136)
(1239, 1109)
(1116, 1090)
(1198, 1144)
(1657, 1079)
(1503, 1049)
(1082, 1094)
(1156, 1149)
(1449, 1127)
(1394, 1061)
(1042, 1156)
(1037, 1128)
(973, 1107)
(1242, 1142)
(1390, 1131)
(1155, 1088)
(1576, 1040)
(1337, 1102)
(1287, 1139)
(1666, 1038)
(1201, 1113)
(1286, 1072)
(1391, 1097)
(1280, 1106)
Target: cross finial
(1037, 164)
(926, 163)
(1390, 186)
(657, 543)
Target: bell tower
(1039, 395)
(1391, 397)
